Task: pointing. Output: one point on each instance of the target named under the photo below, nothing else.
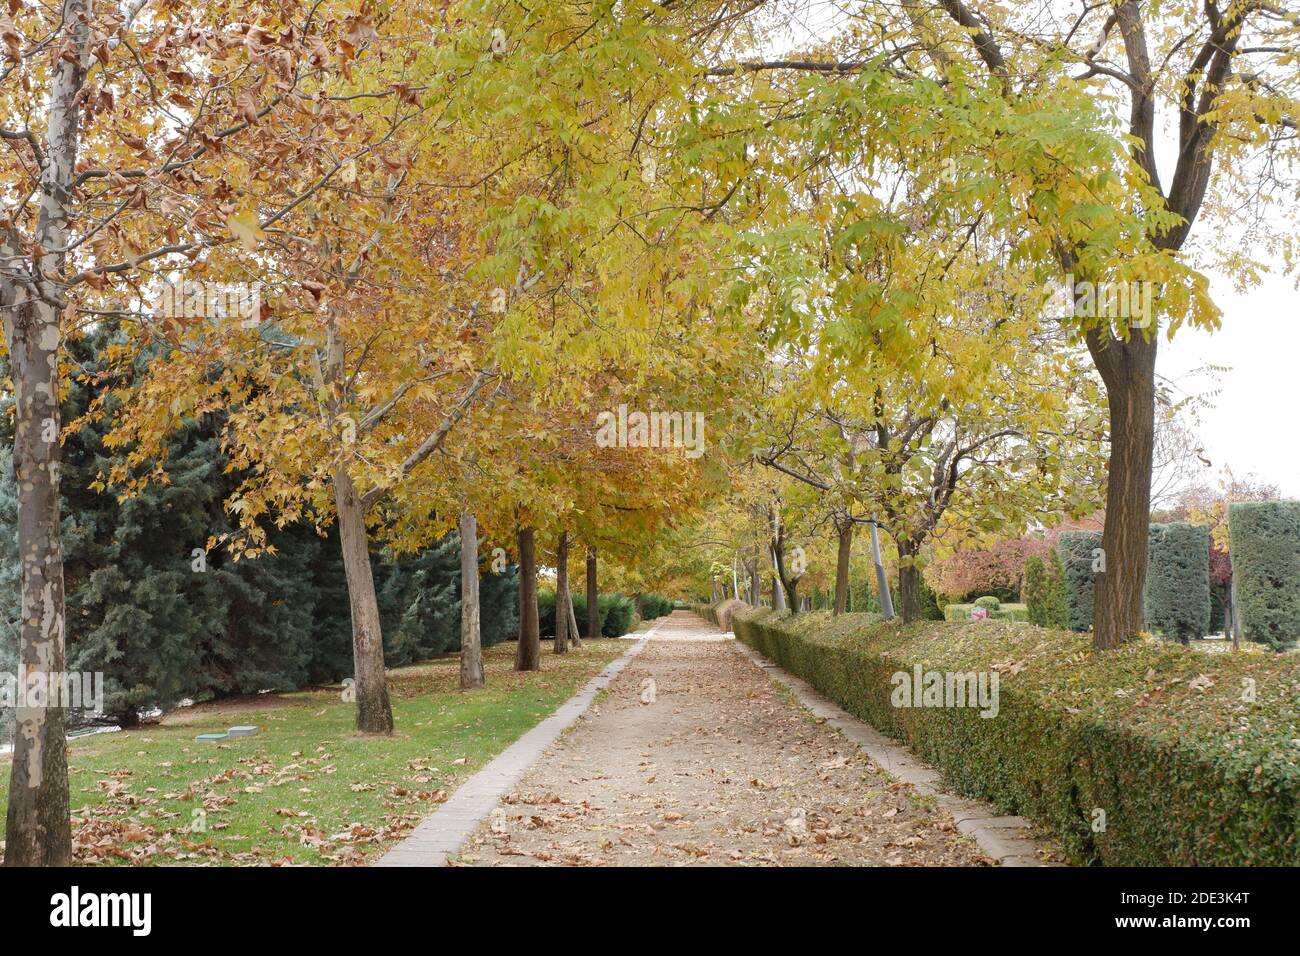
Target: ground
(723, 767)
(307, 789)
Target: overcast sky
(1252, 426)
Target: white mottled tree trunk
(471, 645)
(38, 828)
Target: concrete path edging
(1004, 838)
(442, 834)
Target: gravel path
(722, 768)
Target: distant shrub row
(616, 613)
(654, 606)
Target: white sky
(1252, 426)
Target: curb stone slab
(1004, 838)
(443, 833)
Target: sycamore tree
(364, 366)
(118, 121)
(369, 347)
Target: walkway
(714, 765)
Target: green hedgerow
(1077, 555)
(1188, 770)
(1177, 597)
(1056, 610)
(1264, 542)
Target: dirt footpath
(722, 768)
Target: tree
(528, 656)
(563, 607)
(1223, 71)
(593, 595)
(1013, 444)
(996, 568)
(471, 656)
(122, 130)
(844, 533)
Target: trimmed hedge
(1264, 542)
(1076, 549)
(1044, 590)
(719, 615)
(1187, 772)
(1177, 597)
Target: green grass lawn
(307, 789)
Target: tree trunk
(842, 568)
(38, 830)
(1128, 371)
(528, 656)
(562, 594)
(909, 581)
(374, 712)
(778, 596)
(574, 640)
(471, 642)
(593, 597)
(790, 585)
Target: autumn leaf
(246, 229)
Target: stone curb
(443, 833)
(1004, 838)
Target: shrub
(1177, 789)
(1076, 548)
(1177, 597)
(1056, 611)
(1044, 590)
(988, 601)
(930, 610)
(616, 614)
(546, 612)
(1264, 542)
(655, 606)
(1034, 589)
